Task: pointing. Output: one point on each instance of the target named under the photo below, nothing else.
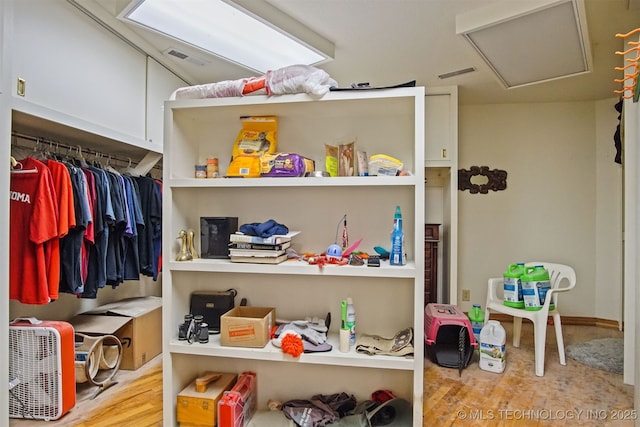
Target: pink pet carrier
(448, 336)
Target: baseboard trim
(569, 320)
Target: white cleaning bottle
(492, 347)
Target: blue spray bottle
(397, 255)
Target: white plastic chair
(558, 274)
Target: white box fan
(41, 369)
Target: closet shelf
(273, 353)
(365, 181)
(407, 271)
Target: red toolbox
(237, 406)
(42, 380)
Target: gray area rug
(605, 354)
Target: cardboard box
(247, 326)
(137, 322)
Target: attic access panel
(529, 42)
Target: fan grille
(34, 373)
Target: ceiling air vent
(456, 73)
(182, 56)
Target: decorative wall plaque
(479, 179)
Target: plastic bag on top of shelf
(291, 79)
(299, 79)
(223, 89)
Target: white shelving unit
(387, 299)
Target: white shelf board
(294, 267)
(291, 98)
(343, 181)
(275, 354)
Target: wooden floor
(135, 401)
(566, 396)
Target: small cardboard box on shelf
(245, 326)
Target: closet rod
(75, 149)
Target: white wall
(74, 66)
(609, 217)
(96, 84)
(558, 167)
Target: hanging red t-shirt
(66, 220)
(89, 238)
(33, 221)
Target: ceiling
(393, 41)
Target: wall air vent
(182, 56)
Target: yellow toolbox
(197, 403)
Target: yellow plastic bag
(245, 166)
(257, 137)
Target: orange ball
(292, 344)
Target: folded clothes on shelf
(266, 229)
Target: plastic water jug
(535, 284)
(492, 347)
(513, 286)
(476, 316)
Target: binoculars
(193, 329)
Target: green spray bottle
(349, 319)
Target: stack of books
(259, 250)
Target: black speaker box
(214, 235)
(211, 305)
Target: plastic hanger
(631, 49)
(81, 160)
(633, 77)
(97, 160)
(110, 168)
(630, 33)
(130, 170)
(633, 62)
(17, 167)
(625, 67)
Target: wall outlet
(466, 295)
